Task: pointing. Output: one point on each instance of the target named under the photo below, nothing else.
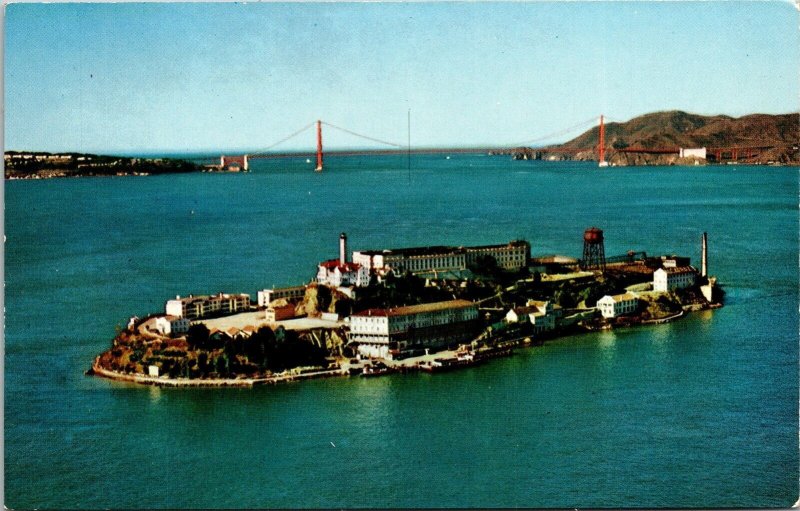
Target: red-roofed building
(335, 274)
(340, 272)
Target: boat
(377, 369)
(603, 164)
(442, 364)
(496, 352)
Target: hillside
(776, 137)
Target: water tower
(594, 253)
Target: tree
(222, 365)
(202, 363)
(343, 307)
(485, 265)
(324, 298)
(565, 298)
(253, 348)
(197, 336)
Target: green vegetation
(204, 355)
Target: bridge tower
(319, 146)
(594, 253)
(601, 147)
(242, 161)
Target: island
(431, 309)
(44, 165)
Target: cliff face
(778, 135)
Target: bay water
(702, 412)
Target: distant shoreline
(43, 165)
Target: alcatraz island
(431, 309)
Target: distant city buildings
(388, 332)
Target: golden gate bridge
(390, 148)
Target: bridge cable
(363, 136)
(263, 151)
(557, 133)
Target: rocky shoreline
(447, 360)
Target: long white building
(194, 307)
(511, 256)
(266, 296)
(384, 333)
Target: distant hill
(777, 136)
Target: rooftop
(192, 298)
(332, 264)
(624, 297)
(417, 309)
(438, 249)
(514, 243)
(680, 269)
(289, 288)
(420, 251)
(529, 309)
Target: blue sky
(197, 77)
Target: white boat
(603, 164)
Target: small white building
(613, 306)
(695, 152)
(542, 315)
(168, 325)
(668, 279)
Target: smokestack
(704, 267)
(342, 248)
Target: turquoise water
(702, 412)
